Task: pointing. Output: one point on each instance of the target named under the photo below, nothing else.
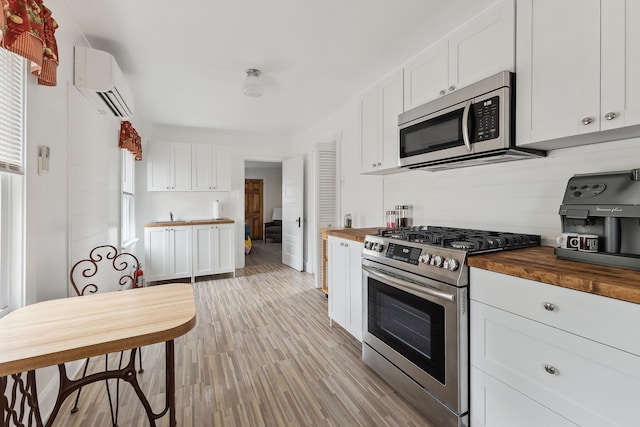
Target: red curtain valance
(27, 28)
(130, 139)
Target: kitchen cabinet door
(169, 166)
(156, 250)
(379, 109)
(224, 248)
(368, 115)
(339, 277)
(211, 168)
(426, 77)
(482, 47)
(168, 252)
(203, 250)
(620, 56)
(558, 87)
(345, 284)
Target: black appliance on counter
(607, 205)
(416, 332)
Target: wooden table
(58, 331)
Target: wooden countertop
(57, 331)
(540, 264)
(356, 234)
(190, 222)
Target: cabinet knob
(549, 306)
(379, 164)
(452, 88)
(442, 92)
(587, 121)
(610, 116)
(550, 369)
(373, 164)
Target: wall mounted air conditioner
(98, 77)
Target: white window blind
(11, 112)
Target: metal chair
(105, 270)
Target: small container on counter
(402, 217)
(347, 221)
(391, 219)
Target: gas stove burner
(462, 244)
(472, 241)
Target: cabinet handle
(442, 92)
(587, 121)
(610, 116)
(549, 306)
(550, 369)
(452, 88)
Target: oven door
(421, 327)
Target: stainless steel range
(416, 333)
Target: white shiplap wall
(521, 196)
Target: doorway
(253, 207)
(260, 210)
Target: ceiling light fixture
(252, 86)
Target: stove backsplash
(520, 197)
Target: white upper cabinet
(379, 109)
(211, 168)
(576, 71)
(478, 49)
(177, 166)
(169, 166)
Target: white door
(293, 212)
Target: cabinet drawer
(601, 319)
(495, 404)
(588, 383)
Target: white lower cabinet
(345, 284)
(188, 251)
(213, 249)
(536, 361)
(167, 253)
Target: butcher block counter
(540, 264)
(189, 222)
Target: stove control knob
(367, 244)
(438, 261)
(425, 258)
(451, 264)
(378, 247)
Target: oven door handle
(405, 285)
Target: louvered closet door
(326, 200)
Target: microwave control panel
(487, 122)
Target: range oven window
(411, 325)
(430, 135)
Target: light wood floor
(264, 253)
(262, 354)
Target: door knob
(298, 221)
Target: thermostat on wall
(43, 160)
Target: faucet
(171, 215)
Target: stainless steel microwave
(474, 125)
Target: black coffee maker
(606, 205)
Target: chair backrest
(104, 268)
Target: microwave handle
(465, 125)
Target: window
(128, 220)
(12, 123)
